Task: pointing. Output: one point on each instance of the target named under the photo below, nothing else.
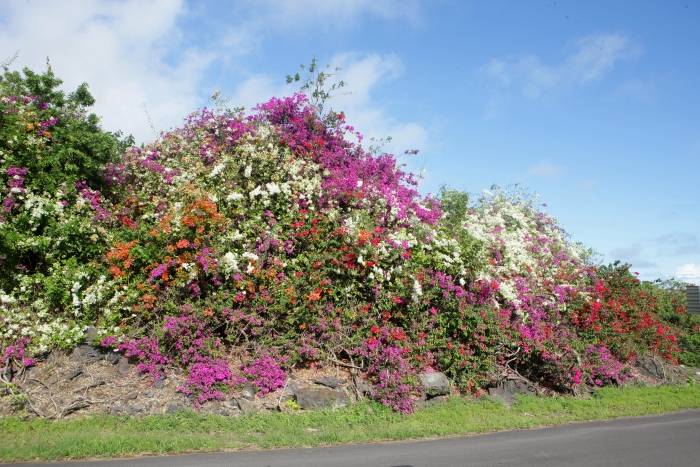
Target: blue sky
(594, 105)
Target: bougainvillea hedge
(274, 239)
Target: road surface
(665, 441)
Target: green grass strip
(111, 436)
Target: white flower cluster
(229, 263)
(521, 239)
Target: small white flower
(5, 299)
(247, 171)
(217, 170)
(251, 256)
(272, 188)
(417, 289)
(229, 262)
(257, 191)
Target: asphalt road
(665, 441)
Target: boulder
(651, 367)
(247, 406)
(664, 372)
(113, 357)
(127, 408)
(91, 334)
(434, 384)
(85, 354)
(508, 389)
(135, 409)
(123, 366)
(248, 391)
(329, 381)
(319, 397)
(293, 385)
(175, 407)
(225, 408)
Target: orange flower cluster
(201, 212)
(120, 257)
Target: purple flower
(157, 271)
(266, 374)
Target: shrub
(52, 156)
(276, 233)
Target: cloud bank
(592, 59)
(146, 74)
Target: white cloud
(143, 74)
(592, 58)
(257, 89)
(596, 55)
(545, 169)
(689, 272)
(119, 49)
(362, 74)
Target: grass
(111, 436)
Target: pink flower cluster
(605, 368)
(95, 199)
(265, 373)
(354, 175)
(17, 353)
(148, 354)
(15, 185)
(208, 379)
(389, 369)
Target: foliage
(52, 158)
(276, 233)
(314, 82)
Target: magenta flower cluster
(605, 369)
(17, 352)
(15, 186)
(265, 373)
(148, 354)
(390, 371)
(208, 379)
(95, 199)
(355, 177)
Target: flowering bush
(208, 379)
(276, 233)
(266, 374)
(605, 368)
(52, 155)
(16, 353)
